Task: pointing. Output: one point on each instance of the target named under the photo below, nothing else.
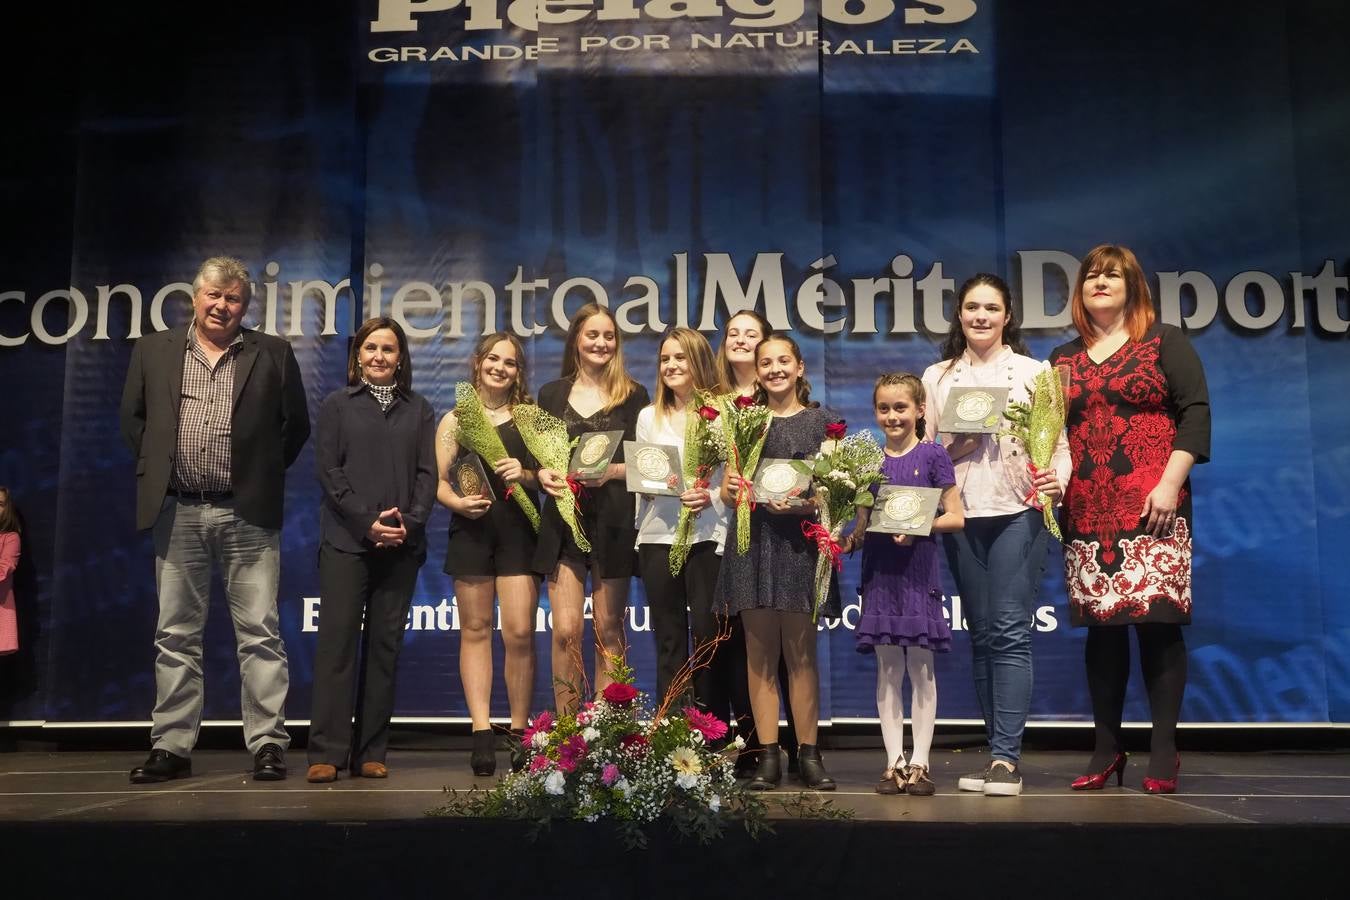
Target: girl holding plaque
(998, 558)
(376, 461)
(902, 621)
(594, 394)
(491, 544)
(769, 587)
(736, 366)
(1138, 420)
(685, 370)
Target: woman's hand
(473, 507)
(612, 471)
(509, 470)
(696, 500)
(384, 536)
(1045, 482)
(902, 540)
(1160, 510)
(553, 484)
(963, 445)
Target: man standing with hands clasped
(215, 413)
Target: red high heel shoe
(1163, 785)
(1097, 780)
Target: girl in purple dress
(902, 618)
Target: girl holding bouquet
(595, 393)
(902, 619)
(491, 545)
(685, 374)
(736, 366)
(769, 586)
(999, 556)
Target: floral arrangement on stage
(746, 426)
(546, 437)
(842, 476)
(705, 448)
(616, 758)
(475, 432)
(1038, 425)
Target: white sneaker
(1002, 780)
(974, 782)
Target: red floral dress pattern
(1121, 429)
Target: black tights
(1162, 657)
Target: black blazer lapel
(243, 365)
(174, 348)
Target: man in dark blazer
(215, 413)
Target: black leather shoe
(161, 765)
(813, 772)
(483, 758)
(269, 763)
(769, 770)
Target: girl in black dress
(595, 393)
(769, 587)
(491, 550)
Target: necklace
(497, 407)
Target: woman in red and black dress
(1138, 420)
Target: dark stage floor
(1241, 824)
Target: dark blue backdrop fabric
(678, 169)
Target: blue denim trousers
(997, 562)
(191, 540)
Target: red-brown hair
(1138, 300)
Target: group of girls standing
(1138, 419)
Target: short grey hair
(224, 270)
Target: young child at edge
(902, 619)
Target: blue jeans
(191, 539)
(997, 562)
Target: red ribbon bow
(814, 531)
(577, 489)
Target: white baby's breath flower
(715, 803)
(624, 787)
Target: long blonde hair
(701, 366)
(618, 385)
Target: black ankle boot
(813, 772)
(768, 772)
(483, 759)
(519, 755)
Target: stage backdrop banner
(468, 166)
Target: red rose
(743, 402)
(634, 743)
(835, 430)
(707, 412)
(620, 694)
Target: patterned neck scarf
(383, 394)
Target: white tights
(891, 665)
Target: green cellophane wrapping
(546, 437)
(477, 433)
(1037, 425)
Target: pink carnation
(570, 753)
(705, 723)
(609, 775)
(539, 764)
